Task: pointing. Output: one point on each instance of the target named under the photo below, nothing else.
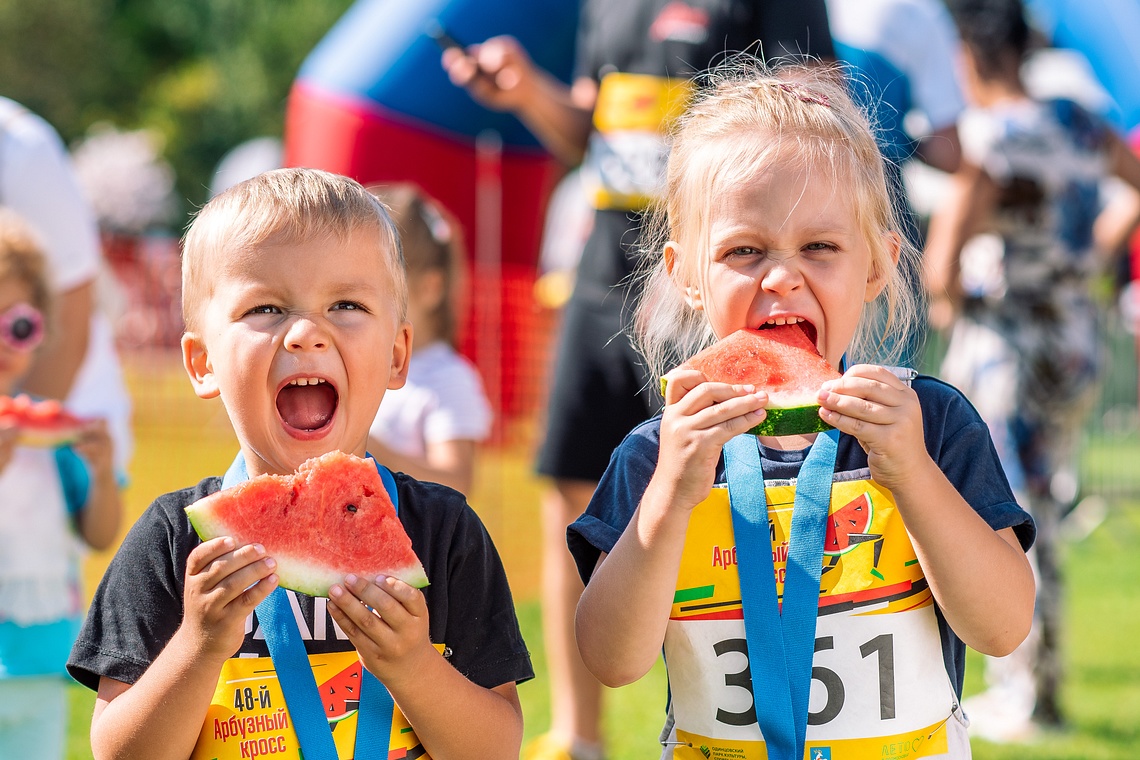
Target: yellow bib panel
(879, 687)
(624, 168)
(248, 718)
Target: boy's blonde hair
(285, 207)
(432, 242)
(23, 258)
(746, 117)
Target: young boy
(294, 298)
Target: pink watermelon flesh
(330, 518)
(40, 423)
(782, 360)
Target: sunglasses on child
(21, 327)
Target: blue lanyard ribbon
(291, 661)
(781, 641)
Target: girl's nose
(782, 276)
(306, 334)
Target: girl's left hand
(883, 414)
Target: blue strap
(781, 641)
(291, 662)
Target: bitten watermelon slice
(40, 423)
(781, 360)
(330, 518)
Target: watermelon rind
(797, 420)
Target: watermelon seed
(351, 507)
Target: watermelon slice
(41, 423)
(782, 360)
(330, 518)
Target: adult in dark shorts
(634, 62)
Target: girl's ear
(879, 274)
(692, 294)
(196, 360)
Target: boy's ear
(196, 360)
(401, 356)
(879, 275)
(691, 294)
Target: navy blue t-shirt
(956, 438)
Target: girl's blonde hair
(285, 207)
(432, 241)
(744, 117)
(23, 258)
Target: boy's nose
(305, 334)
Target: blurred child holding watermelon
(844, 626)
(294, 299)
(430, 427)
(53, 500)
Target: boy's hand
(223, 585)
(699, 418)
(8, 436)
(387, 621)
(883, 413)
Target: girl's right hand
(699, 418)
(224, 582)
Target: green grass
(1101, 693)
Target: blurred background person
(54, 502)
(1025, 339)
(634, 60)
(901, 58)
(431, 427)
(80, 366)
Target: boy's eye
(348, 306)
(264, 309)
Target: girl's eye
(745, 251)
(821, 247)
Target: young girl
(429, 429)
(47, 497)
(904, 544)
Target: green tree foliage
(205, 74)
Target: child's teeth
(306, 381)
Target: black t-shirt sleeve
(959, 441)
(469, 599)
(137, 606)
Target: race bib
(625, 162)
(879, 687)
(247, 716)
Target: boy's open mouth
(307, 404)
